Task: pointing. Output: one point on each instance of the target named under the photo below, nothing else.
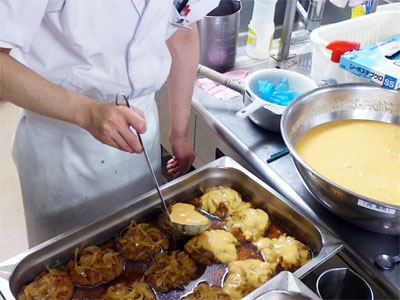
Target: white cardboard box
(378, 63)
(366, 30)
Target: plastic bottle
(338, 47)
(261, 29)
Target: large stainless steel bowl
(343, 102)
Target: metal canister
(343, 283)
(219, 32)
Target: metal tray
(284, 286)
(21, 269)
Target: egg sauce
(362, 156)
(183, 213)
(221, 243)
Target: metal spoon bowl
(190, 229)
(387, 262)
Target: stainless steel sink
(300, 48)
(332, 14)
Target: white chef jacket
(97, 48)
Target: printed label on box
(379, 62)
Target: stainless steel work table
(255, 145)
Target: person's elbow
(5, 50)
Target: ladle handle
(153, 175)
(249, 109)
(220, 78)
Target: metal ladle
(186, 229)
(387, 262)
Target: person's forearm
(184, 48)
(108, 123)
(25, 88)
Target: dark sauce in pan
(212, 274)
(133, 271)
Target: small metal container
(219, 32)
(343, 283)
(284, 286)
(282, 295)
(19, 270)
(343, 102)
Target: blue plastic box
(379, 62)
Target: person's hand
(110, 125)
(183, 157)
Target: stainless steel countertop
(255, 145)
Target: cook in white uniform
(76, 56)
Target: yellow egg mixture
(183, 213)
(362, 156)
(220, 243)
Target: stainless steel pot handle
(6, 271)
(220, 78)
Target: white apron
(97, 48)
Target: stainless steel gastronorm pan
(22, 268)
